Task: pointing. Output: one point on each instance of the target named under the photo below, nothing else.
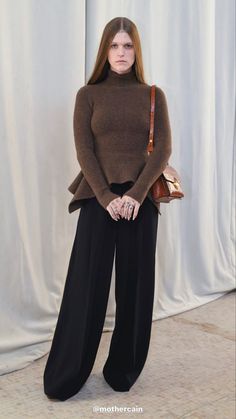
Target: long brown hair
(102, 64)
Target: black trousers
(83, 308)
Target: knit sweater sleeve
(158, 158)
(84, 143)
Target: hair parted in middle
(102, 65)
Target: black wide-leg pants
(83, 308)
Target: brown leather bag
(168, 185)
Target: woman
(111, 127)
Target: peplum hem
(82, 191)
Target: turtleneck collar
(114, 78)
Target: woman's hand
(114, 208)
(129, 205)
(123, 207)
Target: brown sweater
(111, 132)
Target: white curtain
(47, 51)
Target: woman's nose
(121, 51)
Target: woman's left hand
(129, 205)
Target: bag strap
(151, 131)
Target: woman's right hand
(114, 208)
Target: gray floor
(189, 373)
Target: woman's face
(121, 54)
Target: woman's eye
(128, 46)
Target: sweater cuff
(106, 197)
(137, 193)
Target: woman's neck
(120, 79)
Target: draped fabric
(47, 51)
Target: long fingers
(123, 207)
(135, 212)
(128, 207)
(114, 207)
